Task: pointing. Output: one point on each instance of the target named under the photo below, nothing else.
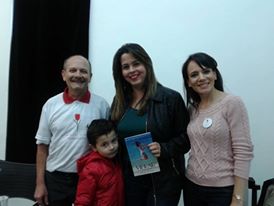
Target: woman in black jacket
(141, 105)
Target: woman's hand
(155, 148)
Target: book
(142, 160)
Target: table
(19, 201)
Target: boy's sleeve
(86, 188)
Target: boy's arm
(86, 189)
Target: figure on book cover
(141, 147)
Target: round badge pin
(207, 123)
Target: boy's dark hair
(99, 127)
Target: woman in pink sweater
(221, 149)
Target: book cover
(142, 160)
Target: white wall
(238, 34)
(5, 40)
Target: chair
(17, 179)
(254, 188)
(267, 194)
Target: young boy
(100, 175)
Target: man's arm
(41, 194)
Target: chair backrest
(17, 179)
(267, 194)
(254, 188)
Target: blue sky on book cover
(142, 160)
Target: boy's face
(107, 145)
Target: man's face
(76, 73)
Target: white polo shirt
(63, 126)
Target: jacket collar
(159, 93)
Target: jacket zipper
(152, 179)
(154, 191)
(173, 165)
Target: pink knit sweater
(222, 150)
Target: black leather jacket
(167, 121)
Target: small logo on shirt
(77, 120)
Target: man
(61, 136)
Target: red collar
(68, 99)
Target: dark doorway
(44, 34)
